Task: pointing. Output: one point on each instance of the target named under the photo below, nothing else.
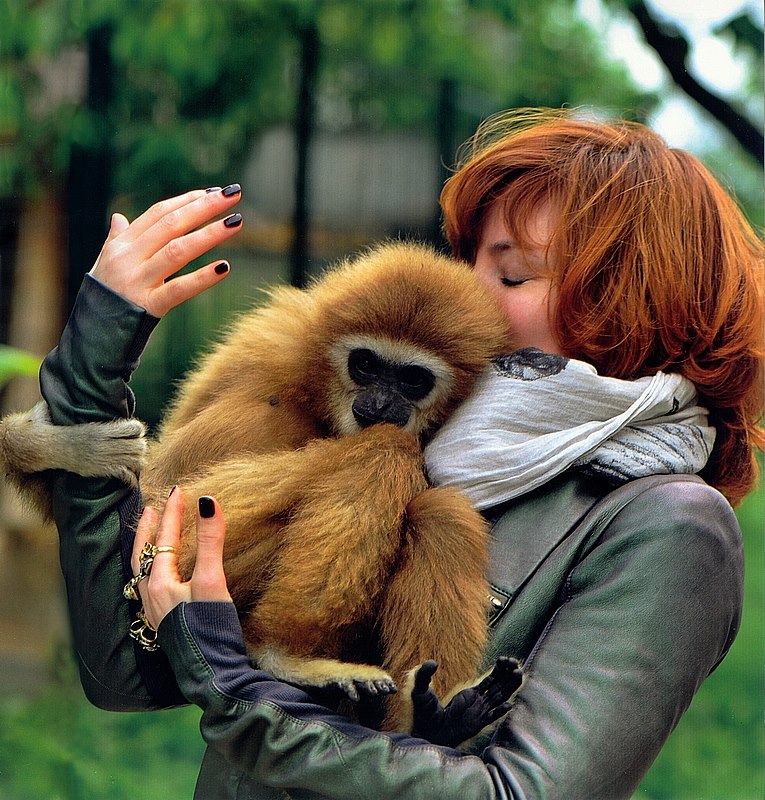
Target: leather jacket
(619, 602)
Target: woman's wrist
(100, 348)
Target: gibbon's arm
(84, 380)
(31, 444)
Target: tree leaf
(14, 362)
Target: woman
(616, 571)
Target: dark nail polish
(222, 268)
(213, 189)
(233, 189)
(233, 221)
(172, 490)
(206, 507)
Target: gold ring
(150, 550)
(142, 631)
(129, 591)
(146, 558)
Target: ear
(31, 444)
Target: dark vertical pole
(446, 144)
(9, 234)
(89, 184)
(305, 121)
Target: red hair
(656, 266)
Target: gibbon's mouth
(393, 416)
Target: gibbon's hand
(163, 589)
(469, 710)
(138, 257)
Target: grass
(57, 747)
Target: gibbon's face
(520, 279)
(387, 381)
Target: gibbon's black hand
(469, 710)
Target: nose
(374, 405)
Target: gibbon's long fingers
(435, 605)
(352, 679)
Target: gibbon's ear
(31, 444)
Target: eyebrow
(501, 245)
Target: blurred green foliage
(15, 362)
(58, 747)
(193, 82)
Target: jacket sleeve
(649, 610)
(85, 379)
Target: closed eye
(513, 282)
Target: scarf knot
(533, 415)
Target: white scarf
(533, 415)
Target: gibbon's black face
(387, 391)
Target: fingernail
(172, 490)
(232, 189)
(233, 221)
(213, 189)
(206, 507)
(222, 268)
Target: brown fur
(327, 536)
(332, 531)
(31, 445)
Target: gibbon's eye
(415, 382)
(363, 365)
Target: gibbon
(306, 423)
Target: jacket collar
(526, 530)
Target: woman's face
(520, 279)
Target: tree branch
(672, 49)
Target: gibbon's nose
(370, 409)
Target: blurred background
(341, 119)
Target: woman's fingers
(164, 570)
(145, 532)
(181, 251)
(178, 221)
(208, 582)
(117, 225)
(184, 287)
(138, 258)
(161, 588)
(162, 208)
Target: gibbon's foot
(469, 711)
(349, 698)
(357, 689)
(326, 675)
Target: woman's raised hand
(138, 257)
